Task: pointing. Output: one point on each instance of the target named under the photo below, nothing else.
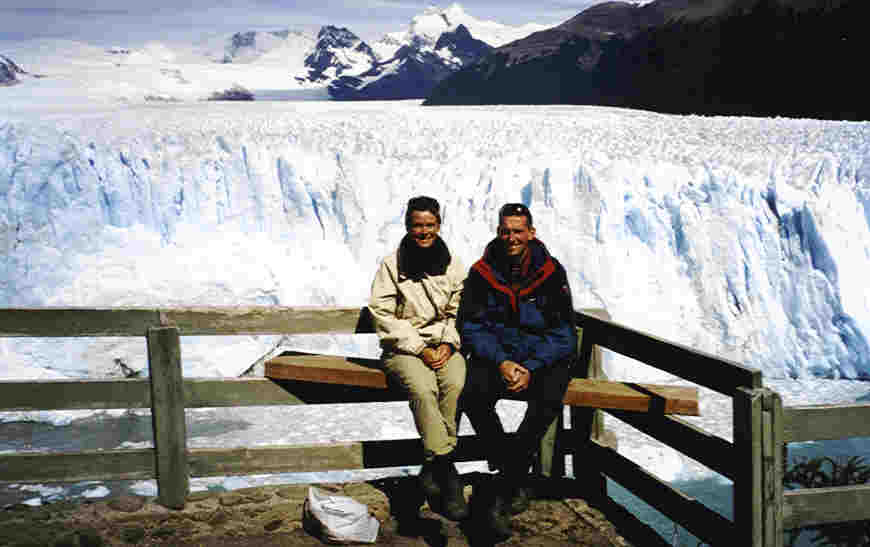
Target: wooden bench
(319, 378)
(591, 392)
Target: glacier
(746, 238)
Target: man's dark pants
(484, 386)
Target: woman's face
(423, 228)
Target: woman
(414, 301)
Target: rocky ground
(272, 516)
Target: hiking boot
(519, 500)
(428, 483)
(513, 485)
(490, 514)
(452, 496)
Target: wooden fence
(810, 506)
(752, 460)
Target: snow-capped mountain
(337, 52)
(425, 30)
(9, 71)
(272, 64)
(278, 46)
(414, 70)
(409, 63)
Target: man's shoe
(491, 511)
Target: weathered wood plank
(809, 506)
(772, 472)
(167, 416)
(207, 462)
(649, 398)
(706, 524)
(74, 394)
(747, 467)
(97, 465)
(581, 392)
(325, 369)
(228, 320)
(218, 392)
(261, 320)
(704, 447)
(694, 365)
(73, 322)
(321, 457)
(825, 422)
(136, 393)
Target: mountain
(336, 52)
(258, 47)
(737, 57)
(9, 71)
(414, 70)
(406, 64)
(426, 28)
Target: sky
(132, 23)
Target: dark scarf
(415, 261)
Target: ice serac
(745, 238)
(9, 71)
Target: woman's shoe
(454, 506)
(429, 484)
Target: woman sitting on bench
(414, 301)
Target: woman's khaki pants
(432, 396)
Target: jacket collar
(494, 268)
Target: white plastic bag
(338, 519)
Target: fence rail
(812, 506)
(739, 460)
(753, 460)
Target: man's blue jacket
(531, 324)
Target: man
(517, 325)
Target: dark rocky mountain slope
(796, 58)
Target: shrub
(828, 472)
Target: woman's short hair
(422, 204)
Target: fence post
(587, 423)
(167, 416)
(772, 427)
(748, 500)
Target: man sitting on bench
(517, 325)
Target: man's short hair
(515, 210)
(422, 204)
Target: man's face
(515, 235)
(424, 227)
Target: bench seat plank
(581, 392)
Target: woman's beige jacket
(413, 314)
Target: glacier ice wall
(747, 238)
